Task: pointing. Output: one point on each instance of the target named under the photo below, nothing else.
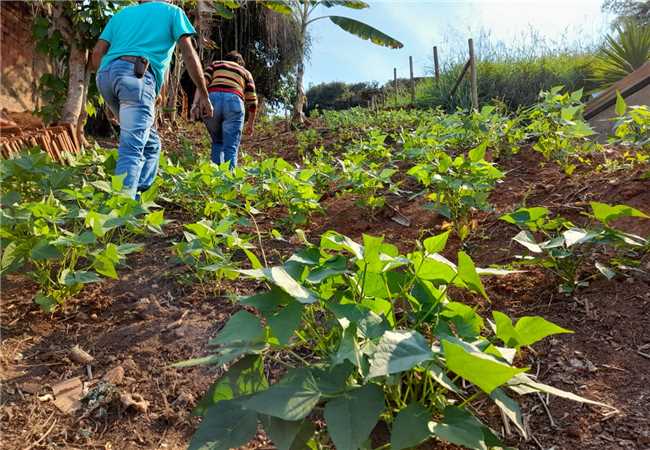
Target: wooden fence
(470, 66)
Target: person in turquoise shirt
(147, 34)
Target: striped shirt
(228, 76)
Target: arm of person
(101, 47)
(193, 65)
(250, 124)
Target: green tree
(638, 10)
(303, 13)
(622, 52)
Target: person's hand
(203, 106)
(250, 128)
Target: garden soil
(152, 317)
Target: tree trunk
(76, 85)
(299, 101)
(81, 137)
(74, 107)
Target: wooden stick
(473, 76)
(460, 78)
(436, 66)
(395, 83)
(412, 81)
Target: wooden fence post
(395, 85)
(473, 76)
(412, 81)
(436, 66)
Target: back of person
(228, 76)
(149, 30)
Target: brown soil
(150, 318)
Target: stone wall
(21, 66)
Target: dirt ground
(150, 318)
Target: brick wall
(21, 66)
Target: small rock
(129, 365)
(79, 355)
(30, 387)
(179, 332)
(93, 316)
(136, 401)
(115, 376)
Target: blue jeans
(225, 126)
(132, 100)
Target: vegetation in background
(338, 95)
(622, 53)
(638, 10)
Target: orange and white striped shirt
(228, 76)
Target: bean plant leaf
(287, 435)
(523, 384)
(290, 399)
(399, 351)
(71, 278)
(241, 327)
(527, 331)
(44, 250)
(467, 273)
(478, 368)
(606, 213)
(285, 322)
(437, 243)
(460, 427)
(510, 408)
(281, 278)
(244, 377)
(226, 425)
(410, 427)
(620, 105)
(351, 417)
(526, 239)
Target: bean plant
(365, 335)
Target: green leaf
(351, 417)
(365, 31)
(353, 4)
(477, 154)
(467, 273)
(127, 249)
(620, 105)
(225, 425)
(241, 327)
(437, 243)
(11, 258)
(510, 408)
(526, 239)
(291, 399)
(285, 322)
(522, 384)
(410, 427)
(478, 368)
(117, 182)
(277, 6)
(461, 428)
(467, 322)
(606, 271)
(399, 351)
(279, 276)
(267, 302)
(533, 329)
(606, 213)
(288, 435)
(46, 302)
(527, 331)
(44, 250)
(79, 277)
(244, 377)
(104, 266)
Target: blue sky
(419, 25)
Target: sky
(420, 24)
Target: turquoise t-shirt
(150, 30)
